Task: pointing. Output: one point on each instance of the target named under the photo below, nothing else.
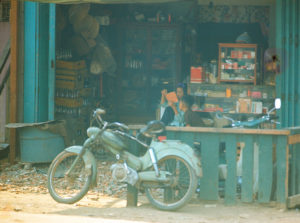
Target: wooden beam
(287, 151)
(13, 76)
(222, 130)
(293, 201)
(294, 139)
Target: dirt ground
(37, 207)
(24, 199)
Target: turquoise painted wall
(39, 61)
(287, 44)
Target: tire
(179, 191)
(68, 190)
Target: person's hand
(164, 92)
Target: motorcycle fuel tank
(113, 140)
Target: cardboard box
(197, 75)
(256, 107)
(243, 105)
(256, 94)
(234, 54)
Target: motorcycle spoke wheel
(175, 194)
(68, 189)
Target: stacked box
(74, 97)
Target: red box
(197, 75)
(239, 54)
(256, 94)
(234, 54)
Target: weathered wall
(4, 37)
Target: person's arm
(174, 107)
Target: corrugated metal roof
(106, 1)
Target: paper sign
(172, 97)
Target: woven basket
(77, 12)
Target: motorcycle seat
(152, 128)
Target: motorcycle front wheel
(68, 189)
(181, 188)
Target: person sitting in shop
(191, 118)
(172, 115)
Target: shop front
(234, 58)
(121, 56)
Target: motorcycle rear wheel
(68, 189)
(179, 191)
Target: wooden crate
(69, 82)
(69, 102)
(71, 65)
(81, 72)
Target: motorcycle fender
(89, 161)
(175, 147)
(193, 161)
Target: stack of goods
(74, 95)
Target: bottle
(228, 92)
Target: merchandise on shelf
(237, 62)
(233, 98)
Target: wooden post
(132, 196)
(13, 76)
(132, 192)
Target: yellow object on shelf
(72, 65)
(69, 102)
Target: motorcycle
(253, 123)
(167, 172)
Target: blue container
(38, 146)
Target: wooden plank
(293, 201)
(293, 139)
(222, 130)
(13, 77)
(229, 130)
(265, 168)
(209, 183)
(292, 172)
(231, 179)
(247, 168)
(298, 168)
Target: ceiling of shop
(236, 2)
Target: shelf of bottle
(235, 113)
(235, 58)
(131, 88)
(235, 69)
(232, 98)
(237, 80)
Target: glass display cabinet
(237, 63)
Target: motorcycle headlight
(92, 131)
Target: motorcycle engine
(123, 173)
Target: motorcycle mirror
(277, 103)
